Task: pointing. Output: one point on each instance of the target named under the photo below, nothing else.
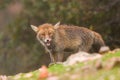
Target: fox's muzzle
(47, 41)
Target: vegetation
(19, 49)
(85, 70)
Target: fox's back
(75, 31)
(74, 37)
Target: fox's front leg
(52, 58)
(58, 57)
(55, 59)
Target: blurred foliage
(19, 47)
(103, 16)
(4, 3)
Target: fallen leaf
(43, 72)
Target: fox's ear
(56, 26)
(34, 28)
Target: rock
(81, 57)
(115, 50)
(52, 78)
(28, 75)
(111, 63)
(3, 77)
(17, 76)
(98, 64)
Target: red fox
(64, 38)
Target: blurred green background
(19, 49)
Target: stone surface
(81, 57)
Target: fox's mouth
(47, 43)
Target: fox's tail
(98, 42)
(98, 39)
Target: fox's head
(45, 32)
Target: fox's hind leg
(60, 57)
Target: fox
(59, 39)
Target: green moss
(57, 68)
(76, 72)
(110, 55)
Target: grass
(80, 71)
(26, 76)
(57, 68)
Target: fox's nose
(47, 40)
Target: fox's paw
(51, 64)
